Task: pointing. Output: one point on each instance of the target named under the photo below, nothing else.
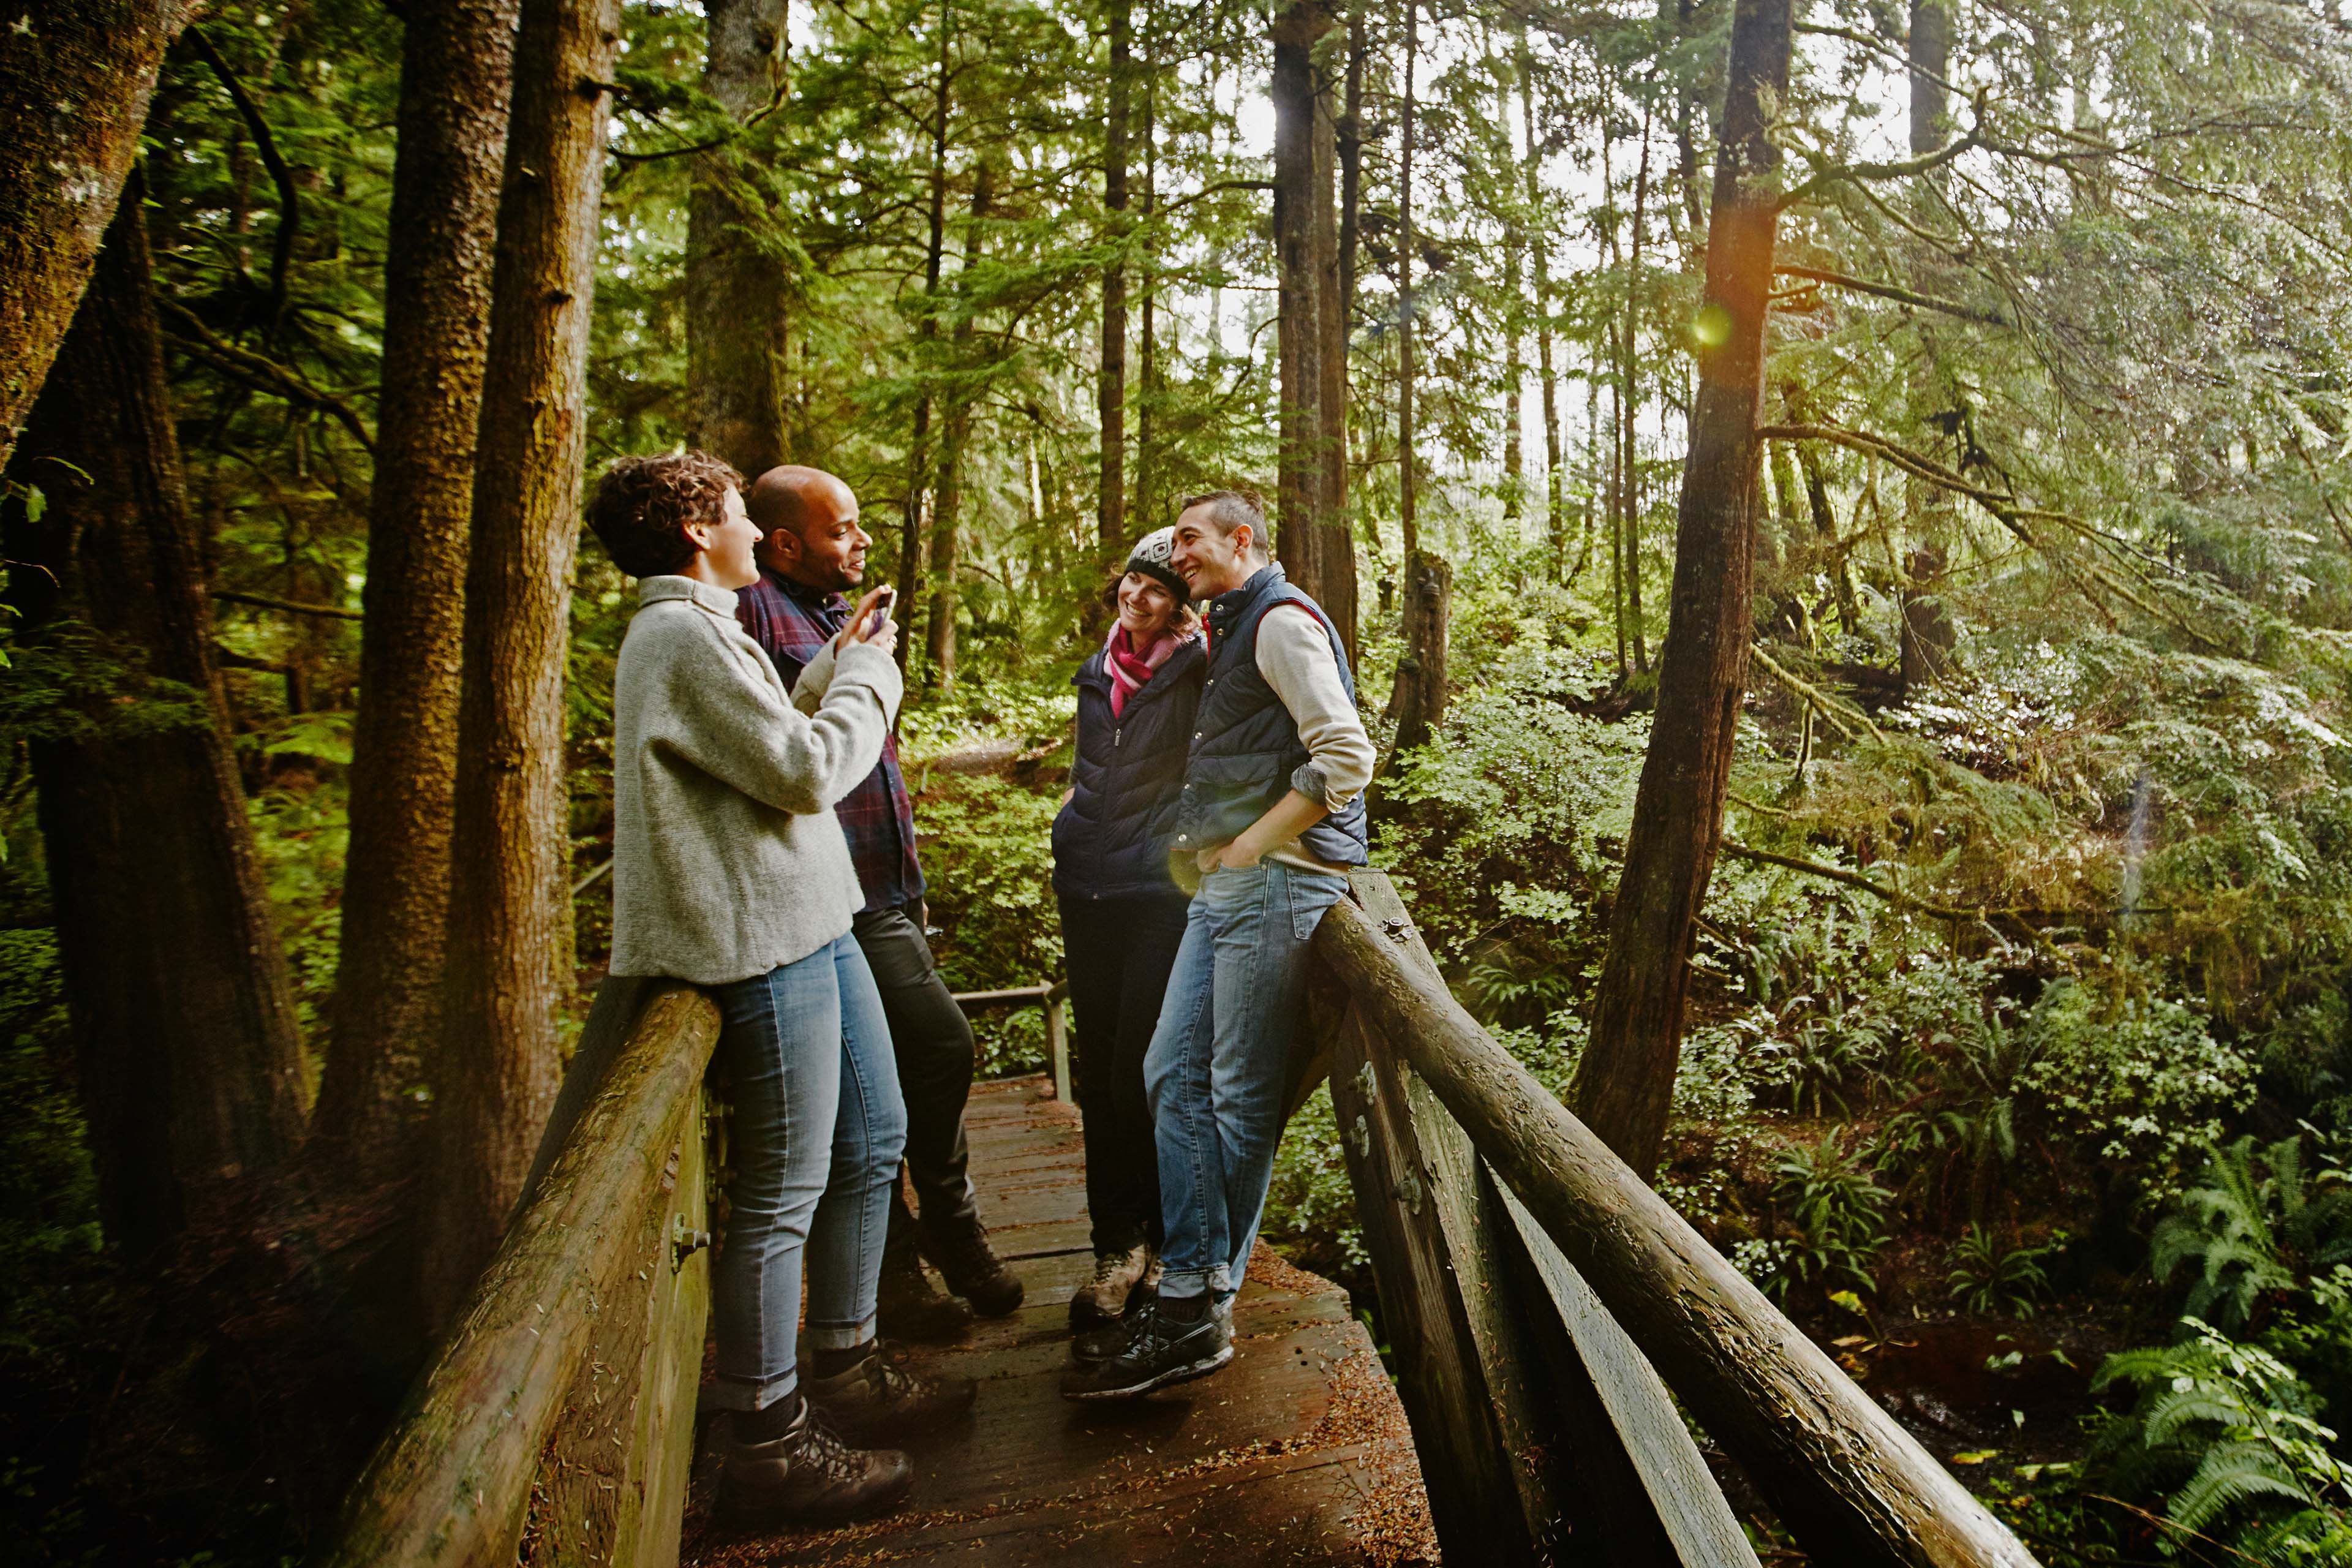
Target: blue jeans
(817, 1130)
(1217, 1063)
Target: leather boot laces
(824, 1449)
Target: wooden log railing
(1552, 1322)
(1054, 998)
(1553, 1318)
(556, 1424)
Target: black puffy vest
(1112, 840)
(1246, 745)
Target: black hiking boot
(959, 1248)
(807, 1476)
(1098, 1344)
(881, 1396)
(911, 1307)
(1161, 1349)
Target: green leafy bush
(2134, 1078)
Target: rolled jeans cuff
(839, 1336)
(742, 1394)
(1183, 1284)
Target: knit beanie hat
(1153, 555)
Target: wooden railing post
(1844, 1477)
(1539, 1469)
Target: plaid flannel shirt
(791, 622)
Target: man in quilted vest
(1270, 819)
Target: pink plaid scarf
(1129, 670)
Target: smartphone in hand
(883, 606)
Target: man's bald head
(808, 528)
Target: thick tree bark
(1348, 146)
(945, 519)
(735, 307)
(1299, 275)
(510, 904)
(1624, 1084)
(1143, 500)
(457, 65)
(74, 84)
(1926, 635)
(918, 452)
(1110, 382)
(183, 1018)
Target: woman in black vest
(1122, 913)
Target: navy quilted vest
(1246, 745)
(1112, 840)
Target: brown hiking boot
(1104, 1298)
(808, 1476)
(959, 1248)
(912, 1308)
(881, 1396)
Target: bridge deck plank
(1297, 1453)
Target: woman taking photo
(1122, 913)
(730, 870)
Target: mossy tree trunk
(510, 908)
(75, 82)
(457, 66)
(183, 1018)
(1624, 1084)
(735, 291)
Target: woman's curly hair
(643, 505)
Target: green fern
(2252, 1229)
(2228, 1427)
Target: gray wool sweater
(727, 861)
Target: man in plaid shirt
(811, 550)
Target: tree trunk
(511, 883)
(1624, 1084)
(1335, 546)
(1407, 484)
(1298, 274)
(735, 311)
(1144, 501)
(457, 65)
(910, 535)
(1348, 147)
(1554, 499)
(1514, 365)
(1929, 53)
(1630, 487)
(1419, 704)
(183, 1018)
(74, 85)
(944, 514)
(1111, 384)
(1926, 635)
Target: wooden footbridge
(1557, 1332)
